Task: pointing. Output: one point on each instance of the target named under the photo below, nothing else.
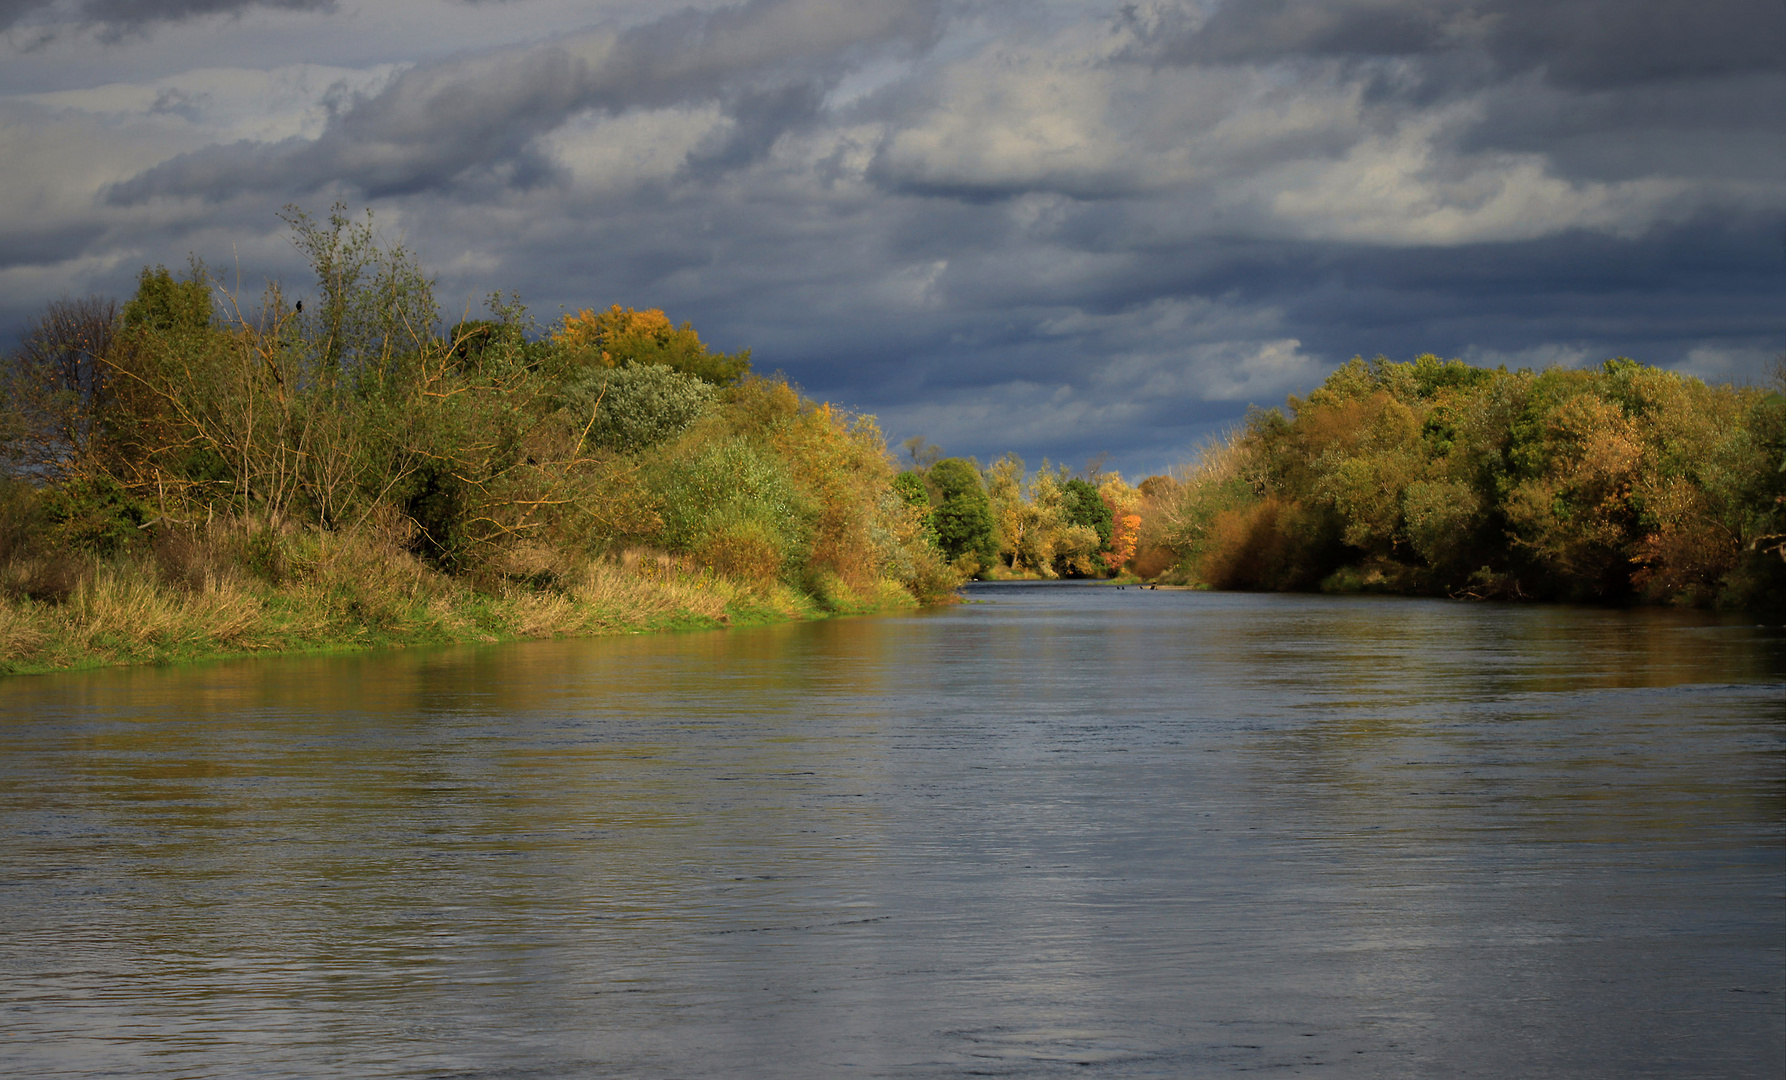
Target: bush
(731, 491)
(94, 514)
(637, 407)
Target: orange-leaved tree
(1125, 523)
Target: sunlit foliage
(1124, 504)
(1618, 483)
(619, 337)
(473, 451)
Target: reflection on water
(1059, 830)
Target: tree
(55, 385)
(376, 303)
(621, 337)
(923, 453)
(963, 514)
(169, 306)
(1085, 509)
(1124, 503)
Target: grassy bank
(223, 590)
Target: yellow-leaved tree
(619, 337)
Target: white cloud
(1013, 116)
(611, 155)
(1399, 188)
(1722, 363)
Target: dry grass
(659, 588)
(551, 595)
(21, 636)
(197, 594)
(49, 578)
(123, 612)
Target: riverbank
(329, 592)
(1622, 484)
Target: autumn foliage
(620, 337)
(258, 433)
(1620, 483)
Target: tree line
(1616, 484)
(189, 444)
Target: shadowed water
(1057, 831)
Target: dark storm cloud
(122, 15)
(1002, 231)
(1581, 44)
(1616, 43)
(766, 61)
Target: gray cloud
(124, 15)
(1053, 236)
(1581, 44)
(765, 60)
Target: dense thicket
(1614, 484)
(186, 426)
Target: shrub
(94, 514)
(731, 489)
(637, 407)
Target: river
(1055, 831)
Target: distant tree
(1028, 516)
(1159, 487)
(1124, 503)
(924, 454)
(963, 513)
(1085, 508)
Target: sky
(1063, 228)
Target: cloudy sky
(1060, 227)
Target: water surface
(1056, 831)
